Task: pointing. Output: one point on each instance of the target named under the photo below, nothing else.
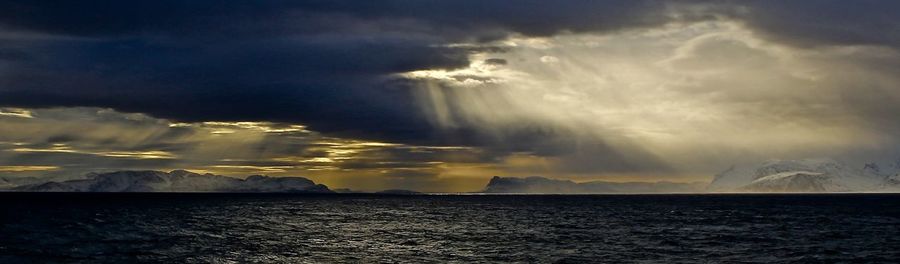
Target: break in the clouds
(69, 142)
(433, 95)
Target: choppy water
(221, 228)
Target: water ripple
(224, 228)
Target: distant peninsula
(537, 184)
(175, 181)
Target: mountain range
(807, 175)
(175, 181)
(536, 184)
(773, 176)
(781, 176)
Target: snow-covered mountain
(806, 175)
(176, 181)
(536, 184)
(794, 181)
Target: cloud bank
(614, 89)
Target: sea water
(285, 228)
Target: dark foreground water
(228, 228)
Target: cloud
(55, 143)
(495, 61)
(677, 100)
(322, 64)
(830, 22)
(319, 63)
(579, 87)
(15, 112)
(26, 168)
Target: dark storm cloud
(829, 22)
(462, 19)
(321, 63)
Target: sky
(442, 95)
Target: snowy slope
(805, 175)
(795, 181)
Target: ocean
(360, 228)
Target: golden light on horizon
(25, 168)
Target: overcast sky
(442, 95)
